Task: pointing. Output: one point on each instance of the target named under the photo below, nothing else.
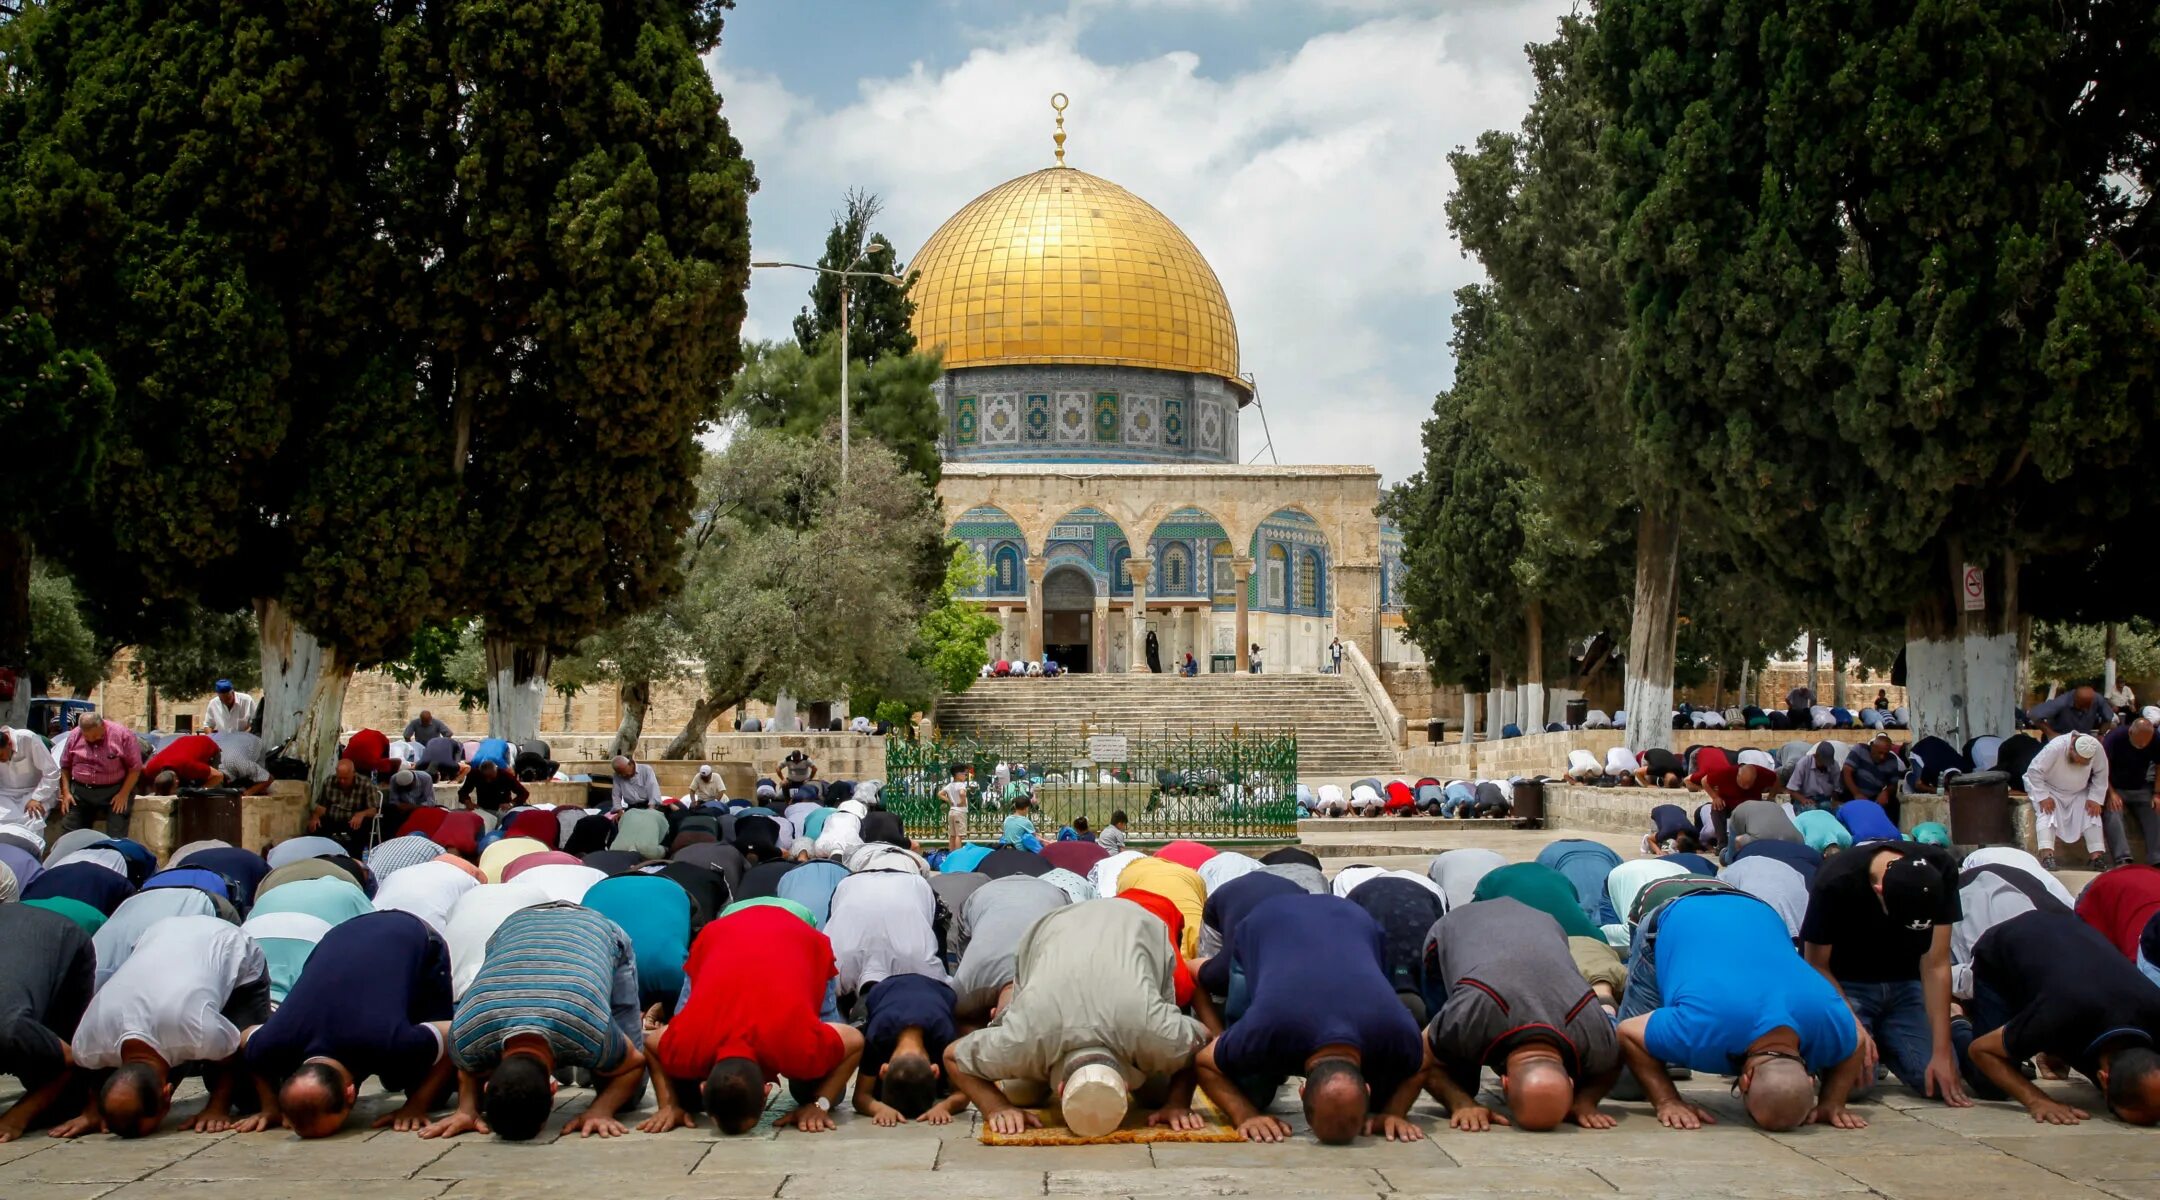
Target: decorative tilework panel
(1072, 417)
(1106, 417)
(1000, 419)
(1173, 421)
(1211, 428)
(964, 422)
(1142, 426)
(1035, 420)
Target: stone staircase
(1338, 736)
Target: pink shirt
(106, 763)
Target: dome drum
(1060, 413)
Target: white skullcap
(704, 770)
(1758, 758)
(2085, 746)
(2151, 713)
(1095, 1097)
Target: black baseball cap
(1911, 892)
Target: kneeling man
(1506, 994)
(1714, 985)
(1093, 1016)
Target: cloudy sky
(1300, 143)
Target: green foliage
(2071, 654)
(1888, 280)
(445, 660)
(950, 648)
(62, 645)
(794, 583)
(879, 322)
(786, 389)
(198, 647)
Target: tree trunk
(1837, 680)
(1469, 716)
(1961, 667)
(1814, 674)
(15, 625)
(636, 699)
(150, 717)
(1534, 676)
(303, 703)
(1745, 697)
(2107, 673)
(517, 685)
(1654, 631)
(690, 743)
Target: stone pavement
(1912, 1150)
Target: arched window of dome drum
(1176, 571)
(1310, 583)
(1005, 577)
(1120, 581)
(1223, 582)
(1278, 570)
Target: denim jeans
(1896, 1014)
(2137, 802)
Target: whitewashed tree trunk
(636, 699)
(1653, 634)
(1469, 716)
(517, 685)
(1533, 691)
(303, 701)
(1961, 668)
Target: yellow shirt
(1181, 886)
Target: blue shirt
(898, 1003)
(495, 750)
(1315, 969)
(364, 1000)
(655, 911)
(1017, 830)
(1866, 821)
(1727, 974)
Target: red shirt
(1718, 775)
(757, 982)
(2119, 903)
(188, 757)
(1168, 914)
(106, 763)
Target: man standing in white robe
(2068, 786)
(29, 782)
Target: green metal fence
(1218, 785)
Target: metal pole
(844, 322)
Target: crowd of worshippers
(2083, 784)
(701, 959)
(1045, 667)
(1427, 797)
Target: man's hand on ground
(1176, 1118)
(2054, 1112)
(1679, 1114)
(1009, 1121)
(1393, 1128)
(1837, 1116)
(75, 1127)
(586, 1124)
(1590, 1116)
(1943, 1080)
(809, 1118)
(669, 1117)
(1475, 1118)
(406, 1118)
(454, 1124)
(1264, 1128)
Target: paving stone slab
(103, 1158)
(991, 1184)
(638, 1155)
(2122, 1156)
(276, 1189)
(2130, 1189)
(1992, 1119)
(1217, 1181)
(29, 1143)
(283, 1155)
(973, 1156)
(56, 1191)
(746, 1185)
(1555, 1180)
(1889, 1131)
(793, 1151)
(1978, 1172)
(1682, 1176)
(1301, 1151)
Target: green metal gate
(1213, 785)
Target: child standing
(956, 807)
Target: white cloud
(1313, 183)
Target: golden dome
(1063, 267)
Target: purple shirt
(106, 763)
(2128, 766)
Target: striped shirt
(556, 970)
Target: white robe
(2071, 786)
(30, 776)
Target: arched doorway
(1069, 618)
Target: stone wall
(1546, 753)
(264, 820)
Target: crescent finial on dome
(1057, 104)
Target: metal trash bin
(1578, 711)
(1529, 806)
(1980, 809)
(1436, 731)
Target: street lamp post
(847, 295)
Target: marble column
(1139, 569)
(1036, 566)
(1099, 635)
(1241, 571)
